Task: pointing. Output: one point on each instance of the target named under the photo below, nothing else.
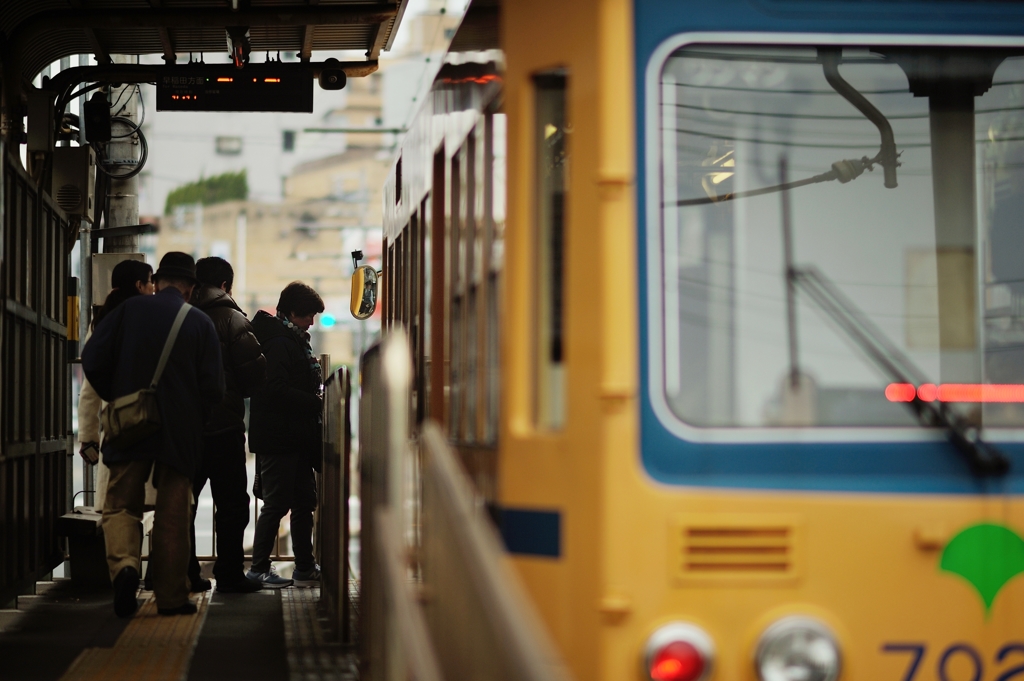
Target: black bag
(130, 419)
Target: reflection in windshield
(935, 264)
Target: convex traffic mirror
(364, 292)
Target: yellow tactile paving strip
(151, 648)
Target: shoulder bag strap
(169, 343)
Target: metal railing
(430, 554)
(332, 530)
(332, 487)
(383, 433)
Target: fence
(35, 378)
(426, 539)
(331, 518)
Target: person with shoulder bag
(156, 362)
(129, 278)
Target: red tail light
(679, 652)
(678, 661)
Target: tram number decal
(969, 661)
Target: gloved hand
(90, 451)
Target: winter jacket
(244, 366)
(285, 414)
(121, 358)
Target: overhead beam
(169, 55)
(377, 43)
(402, 4)
(306, 52)
(98, 51)
(123, 19)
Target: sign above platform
(253, 88)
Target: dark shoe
(242, 585)
(126, 587)
(307, 578)
(188, 609)
(270, 579)
(199, 585)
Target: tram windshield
(802, 276)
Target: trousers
(224, 466)
(122, 527)
(288, 484)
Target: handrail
(334, 487)
(500, 636)
(385, 372)
(413, 658)
(422, 527)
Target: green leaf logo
(987, 555)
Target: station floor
(63, 633)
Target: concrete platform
(70, 633)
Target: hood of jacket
(209, 297)
(266, 326)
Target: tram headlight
(679, 652)
(798, 649)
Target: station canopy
(35, 33)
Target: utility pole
(122, 205)
(123, 197)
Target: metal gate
(34, 379)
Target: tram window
(552, 170)
(455, 286)
(439, 311)
(494, 205)
(398, 181)
(425, 284)
(467, 205)
(464, 293)
(930, 262)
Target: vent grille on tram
(729, 547)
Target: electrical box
(40, 120)
(102, 267)
(74, 180)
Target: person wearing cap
(121, 358)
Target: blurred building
(315, 183)
(331, 207)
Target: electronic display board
(230, 89)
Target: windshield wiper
(983, 457)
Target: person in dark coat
(224, 436)
(119, 359)
(285, 432)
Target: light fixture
(679, 651)
(798, 648)
(721, 166)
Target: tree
(210, 190)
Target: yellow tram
(719, 305)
